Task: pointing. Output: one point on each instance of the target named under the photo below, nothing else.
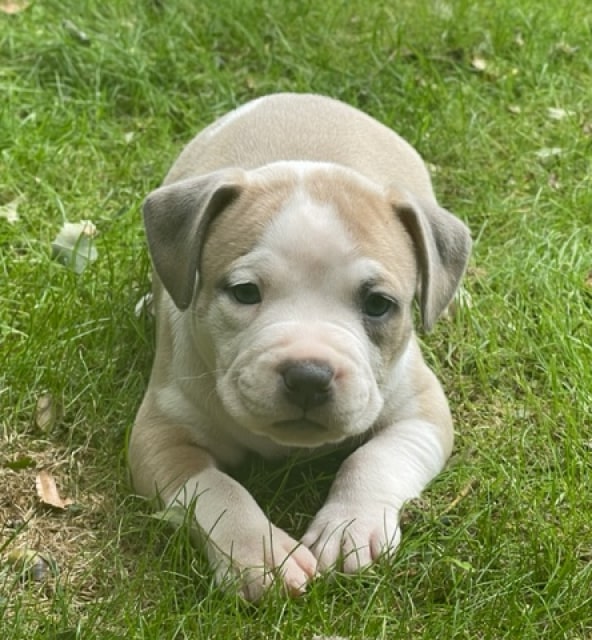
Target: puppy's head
(300, 279)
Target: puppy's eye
(245, 293)
(377, 305)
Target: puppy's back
(289, 126)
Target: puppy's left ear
(443, 245)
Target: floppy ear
(443, 245)
(177, 217)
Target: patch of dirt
(43, 548)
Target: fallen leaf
(9, 211)
(558, 114)
(45, 412)
(74, 245)
(515, 109)
(548, 152)
(48, 492)
(13, 6)
(479, 64)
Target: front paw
(255, 559)
(352, 537)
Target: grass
(495, 95)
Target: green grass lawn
(96, 100)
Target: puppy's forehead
(317, 213)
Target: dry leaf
(13, 6)
(548, 152)
(558, 114)
(74, 245)
(479, 64)
(48, 491)
(45, 412)
(9, 211)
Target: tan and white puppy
(289, 241)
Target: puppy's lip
(299, 423)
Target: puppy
(289, 241)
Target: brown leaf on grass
(45, 412)
(13, 6)
(48, 492)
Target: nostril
(307, 383)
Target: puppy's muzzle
(307, 383)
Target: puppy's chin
(302, 432)
(308, 431)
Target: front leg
(243, 547)
(360, 519)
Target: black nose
(307, 383)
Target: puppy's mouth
(303, 424)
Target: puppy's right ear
(176, 218)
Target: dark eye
(377, 305)
(245, 293)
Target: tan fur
(321, 208)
